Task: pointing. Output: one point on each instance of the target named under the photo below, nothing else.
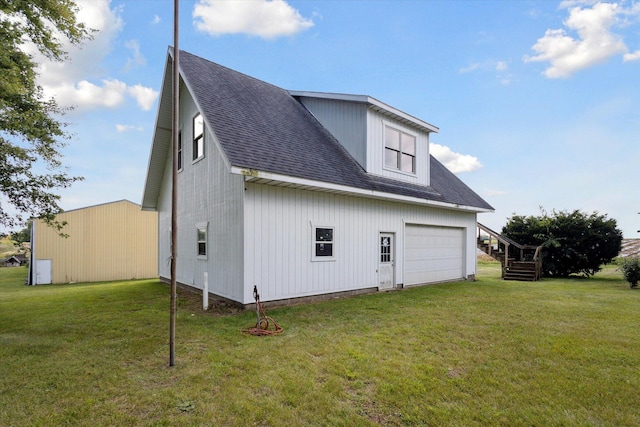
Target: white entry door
(386, 269)
(43, 272)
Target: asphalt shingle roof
(262, 127)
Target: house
(12, 261)
(302, 194)
(110, 241)
(22, 258)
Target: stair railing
(506, 242)
(537, 256)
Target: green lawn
(490, 352)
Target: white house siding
(278, 240)
(207, 193)
(345, 120)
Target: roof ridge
(263, 127)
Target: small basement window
(323, 242)
(202, 240)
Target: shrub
(573, 242)
(631, 271)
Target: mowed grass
(490, 352)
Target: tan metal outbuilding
(111, 241)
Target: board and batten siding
(346, 121)
(278, 240)
(112, 241)
(207, 193)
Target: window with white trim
(399, 150)
(198, 136)
(202, 240)
(179, 151)
(323, 243)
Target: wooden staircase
(519, 262)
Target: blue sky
(537, 101)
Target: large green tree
(31, 133)
(573, 242)
(22, 238)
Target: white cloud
(84, 59)
(138, 59)
(595, 42)
(566, 4)
(631, 56)
(262, 18)
(505, 80)
(155, 20)
(126, 128)
(533, 13)
(80, 81)
(87, 95)
(469, 68)
(500, 67)
(144, 96)
(495, 193)
(455, 162)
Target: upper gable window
(399, 150)
(198, 137)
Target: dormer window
(198, 137)
(399, 150)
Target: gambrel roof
(266, 134)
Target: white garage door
(433, 254)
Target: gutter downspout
(32, 256)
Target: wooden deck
(519, 262)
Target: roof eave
(268, 178)
(373, 104)
(161, 141)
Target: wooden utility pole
(174, 186)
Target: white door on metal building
(386, 268)
(43, 272)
